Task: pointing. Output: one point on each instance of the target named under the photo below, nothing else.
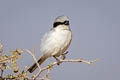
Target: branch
(48, 67)
(66, 60)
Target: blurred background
(95, 25)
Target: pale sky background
(96, 34)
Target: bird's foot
(58, 60)
(63, 56)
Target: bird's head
(61, 21)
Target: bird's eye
(66, 22)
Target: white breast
(55, 42)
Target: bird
(55, 42)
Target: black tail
(34, 66)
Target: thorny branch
(48, 67)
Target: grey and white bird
(55, 42)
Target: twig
(79, 60)
(47, 75)
(1, 49)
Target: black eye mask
(60, 23)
